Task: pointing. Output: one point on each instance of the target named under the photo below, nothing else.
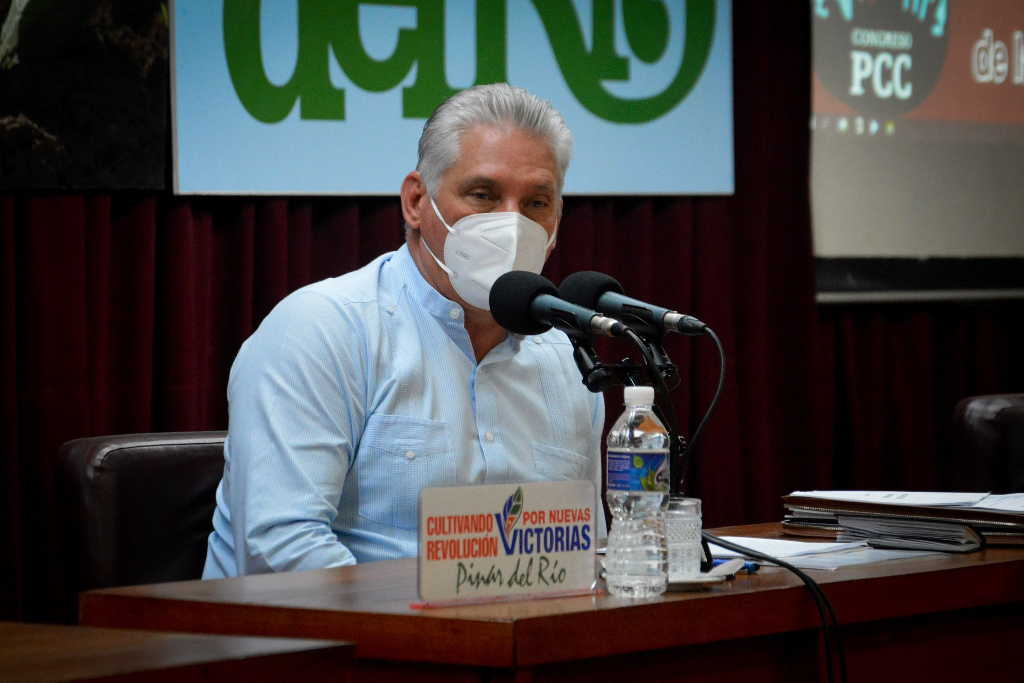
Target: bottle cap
(638, 396)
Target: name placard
(500, 541)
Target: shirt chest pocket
(555, 464)
(397, 457)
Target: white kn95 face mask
(481, 247)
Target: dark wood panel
(46, 652)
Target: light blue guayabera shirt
(356, 392)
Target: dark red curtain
(122, 312)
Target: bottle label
(638, 470)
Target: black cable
(677, 455)
(668, 414)
(652, 368)
(718, 389)
(829, 624)
(685, 458)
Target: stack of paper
(910, 534)
(957, 522)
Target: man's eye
(480, 195)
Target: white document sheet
(781, 548)
(1010, 502)
(810, 555)
(854, 556)
(899, 497)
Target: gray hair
(491, 104)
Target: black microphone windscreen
(586, 287)
(511, 297)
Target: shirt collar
(423, 294)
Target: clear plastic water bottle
(638, 484)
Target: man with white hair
(358, 391)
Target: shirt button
(409, 455)
(488, 437)
(454, 314)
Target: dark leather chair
(988, 434)
(140, 506)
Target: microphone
(604, 293)
(527, 303)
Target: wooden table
(938, 618)
(45, 652)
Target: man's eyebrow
(478, 181)
(486, 181)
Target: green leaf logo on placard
(512, 510)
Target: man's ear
(412, 194)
